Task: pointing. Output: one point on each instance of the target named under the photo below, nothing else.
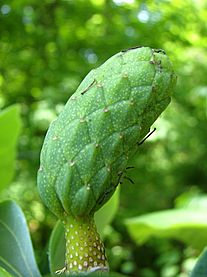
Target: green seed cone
(87, 148)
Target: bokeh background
(46, 48)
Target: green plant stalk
(85, 251)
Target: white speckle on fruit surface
(99, 85)
(82, 120)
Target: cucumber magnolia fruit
(87, 147)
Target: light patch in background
(5, 9)
(27, 14)
(121, 2)
(130, 31)
(143, 16)
(90, 56)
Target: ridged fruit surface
(88, 146)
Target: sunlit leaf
(105, 215)
(16, 252)
(10, 124)
(188, 226)
(4, 273)
(192, 199)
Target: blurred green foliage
(47, 47)
(10, 124)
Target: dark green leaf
(200, 269)
(16, 252)
(111, 274)
(57, 248)
(10, 124)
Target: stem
(85, 251)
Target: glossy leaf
(105, 215)
(191, 200)
(4, 273)
(200, 269)
(10, 125)
(177, 224)
(111, 274)
(16, 252)
(57, 248)
(57, 241)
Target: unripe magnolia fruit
(89, 144)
